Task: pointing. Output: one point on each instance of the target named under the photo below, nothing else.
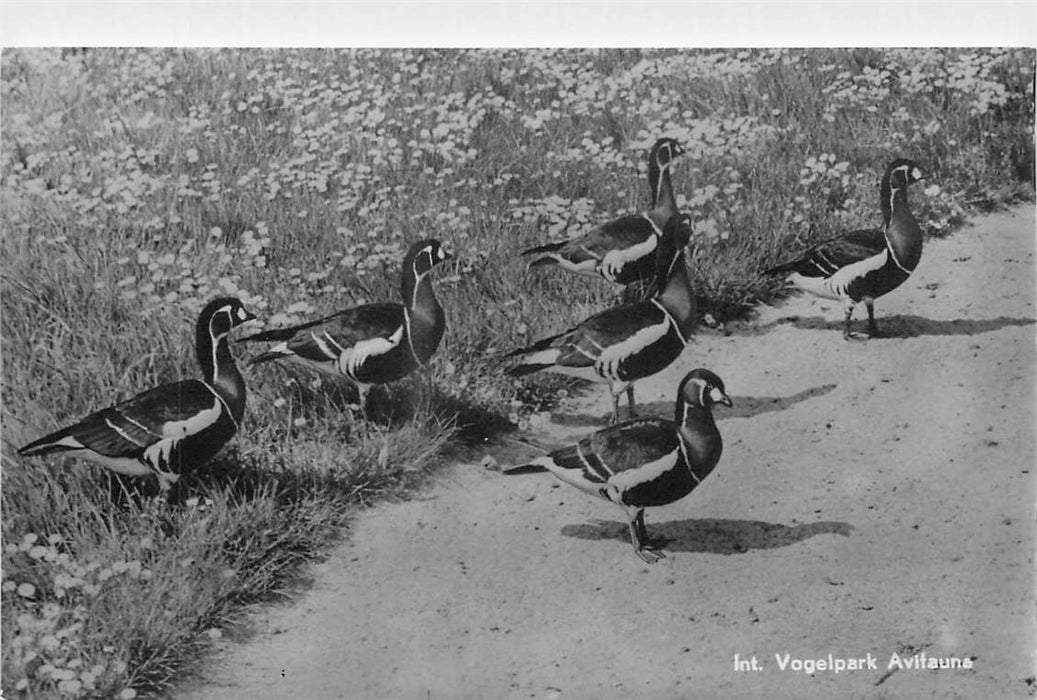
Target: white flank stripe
(840, 281)
(614, 260)
(624, 481)
(177, 430)
(158, 454)
(607, 364)
(353, 358)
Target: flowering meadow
(139, 184)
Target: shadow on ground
(904, 326)
(744, 407)
(715, 536)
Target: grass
(138, 184)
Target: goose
(622, 251)
(865, 264)
(630, 341)
(374, 343)
(646, 462)
(171, 429)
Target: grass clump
(137, 184)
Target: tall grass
(137, 184)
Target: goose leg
(615, 408)
(166, 481)
(873, 330)
(429, 388)
(639, 538)
(847, 335)
(360, 408)
(630, 401)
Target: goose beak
(720, 397)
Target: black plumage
(623, 250)
(627, 342)
(374, 343)
(865, 264)
(647, 462)
(171, 429)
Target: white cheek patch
(715, 395)
(241, 313)
(916, 174)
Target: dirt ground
(873, 498)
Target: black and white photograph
(555, 351)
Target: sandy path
(872, 498)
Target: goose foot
(648, 554)
(644, 547)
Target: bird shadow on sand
(744, 407)
(711, 535)
(904, 325)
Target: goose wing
(155, 418)
(830, 256)
(324, 339)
